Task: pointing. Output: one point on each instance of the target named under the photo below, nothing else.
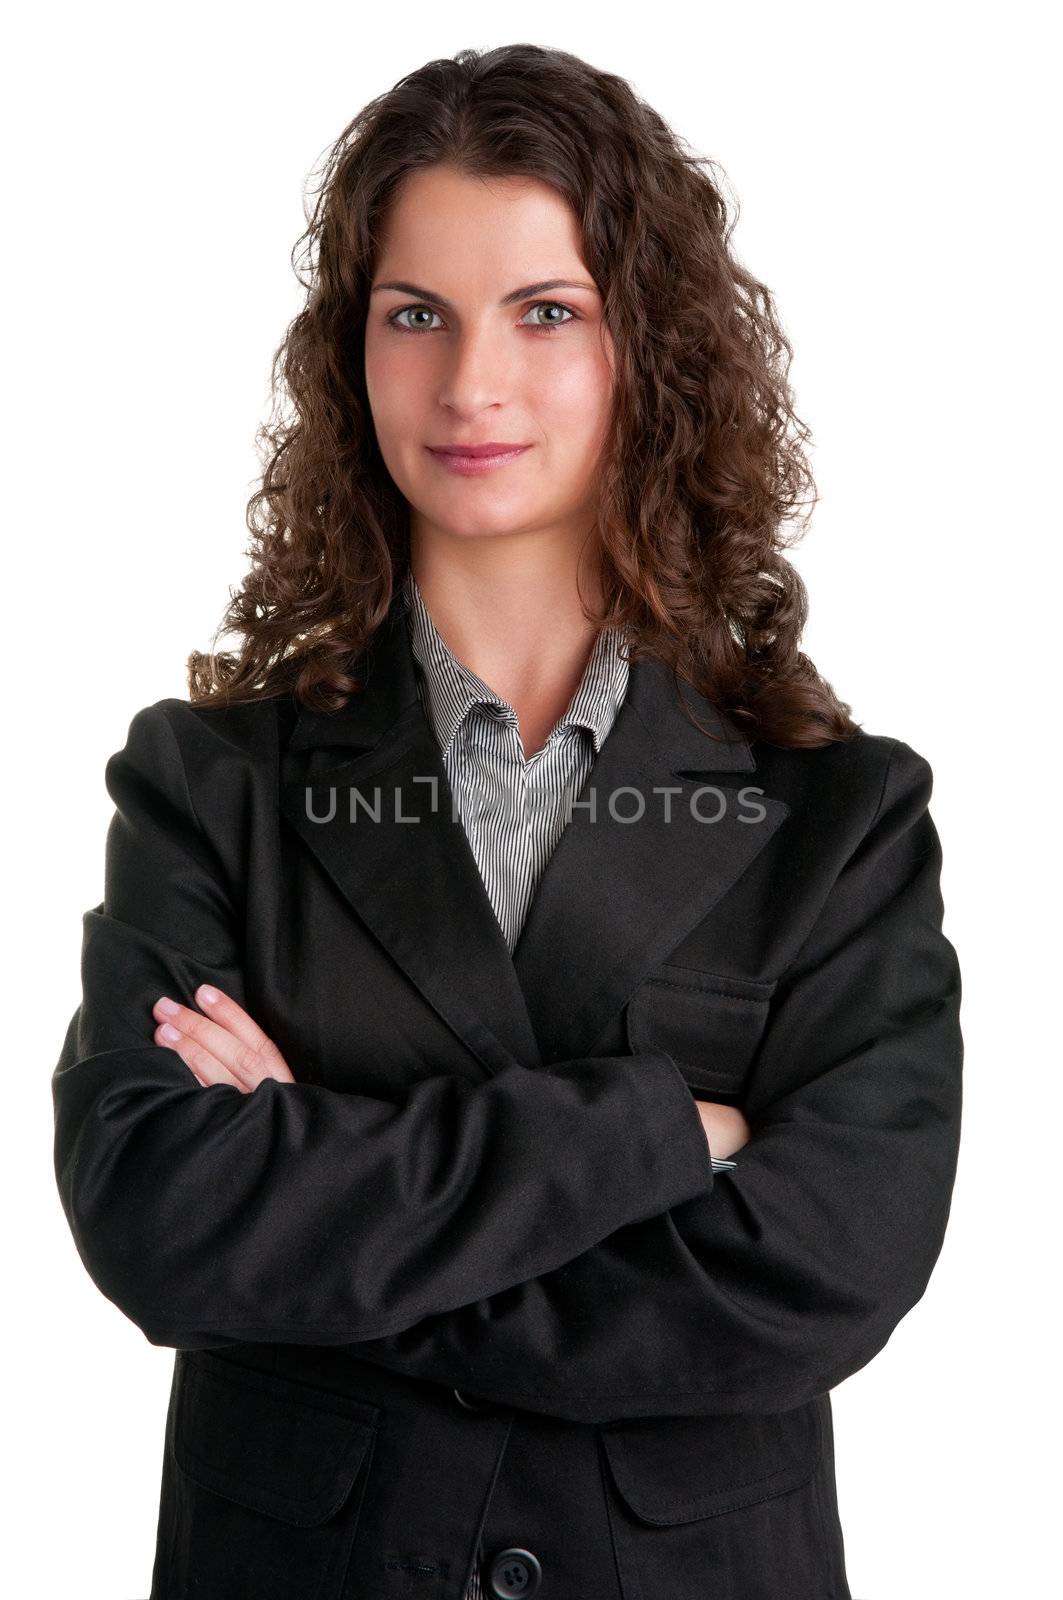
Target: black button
(514, 1572)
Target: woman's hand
(725, 1127)
(227, 1046)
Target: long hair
(703, 474)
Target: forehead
(483, 227)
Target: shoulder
(210, 733)
(846, 786)
(206, 774)
(208, 761)
(862, 765)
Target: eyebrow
(507, 300)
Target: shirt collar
(451, 689)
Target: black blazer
(489, 1187)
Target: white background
(897, 190)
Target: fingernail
(167, 1007)
(207, 994)
(169, 1033)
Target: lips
(477, 460)
(475, 452)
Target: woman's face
(468, 351)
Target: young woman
(519, 1063)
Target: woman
(519, 1064)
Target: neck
(510, 611)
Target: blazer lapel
(615, 897)
(411, 876)
(629, 878)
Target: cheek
(396, 404)
(394, 388)
(573, 399)
(383, 388)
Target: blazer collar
(615, 898)
(450, 689)
(391, 694)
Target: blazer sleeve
(298, 1213)
(793, 1272)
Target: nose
(480, 369)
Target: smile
(471, 464)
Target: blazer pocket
(709, 1023)
(675, 1470)
(268, 1468)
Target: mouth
(477, 457)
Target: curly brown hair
(704, 462)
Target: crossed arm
(213, 1215)
(794, 1271)
(222, 1043)
(597, 1270)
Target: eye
(393, 321)
(426, 311)
(552, 305)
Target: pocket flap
(677, 1469)
(267, 1442)
(708, 1023)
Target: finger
(206, 1048)
(248, 1064)
(265, 1060)
(223, 1009)
(204, 1067)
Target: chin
(482, 522)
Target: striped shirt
(513, 809)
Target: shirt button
(514, 1572)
